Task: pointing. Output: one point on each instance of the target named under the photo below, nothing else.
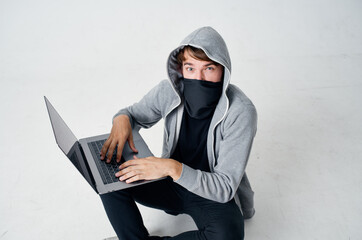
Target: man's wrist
(121, 117)
(175, 170)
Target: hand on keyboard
(120, 133)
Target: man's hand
(120, 133)
(149, 168)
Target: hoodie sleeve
(238, 131)
(150, 109)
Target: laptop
(85, 155)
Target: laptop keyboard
(106, 170)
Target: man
(209, 129)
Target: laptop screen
(69, 144)
(63, 135)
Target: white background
(299, 61)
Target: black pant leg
(124, 214)
(163, 195)
(215, 221)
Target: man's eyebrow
(186, 63)
(206, 65)
(209, 64)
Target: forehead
(188, 59)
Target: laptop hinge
(87, 172)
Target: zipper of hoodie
(217, 123)
(172, 108)
(213, 130)
(179, 100)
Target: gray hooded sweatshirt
(230, 136)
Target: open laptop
(85, 155)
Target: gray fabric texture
(231, 131)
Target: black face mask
(201, 97)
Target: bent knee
(231, 230)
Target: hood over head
(211, 42)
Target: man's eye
(189, 69)
(209, 68)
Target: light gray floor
(299, 61)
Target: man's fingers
(126, 164)
(105, 148)
(131, 144)
(131, 177)
(111, 150)
(127, 175)
(119, 150)
(134, 179)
